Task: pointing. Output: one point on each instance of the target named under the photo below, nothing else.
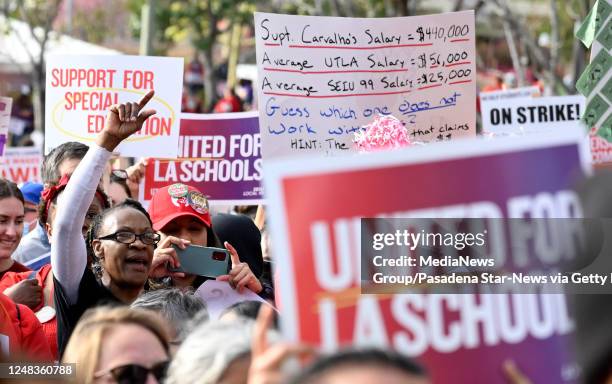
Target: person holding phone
(181, 216)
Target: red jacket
(50, 327)
(21, 335)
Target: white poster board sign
(6, 104)
(506, 94)
(218, 295)
(80, 90)
(531, 114)
(21, 164)
(320, 79)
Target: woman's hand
(123, 120)
(241, 275)
(165, 255)
(135, 174)
(26, 292)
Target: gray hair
(65, 151)
(207, 352)
(176, 306)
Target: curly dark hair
(94, 228)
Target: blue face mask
(26, 229)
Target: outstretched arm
(68, 251)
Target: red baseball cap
(178, 200)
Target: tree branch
(542, 58)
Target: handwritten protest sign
(80, 90)
(220, 154)
(219, 295)
(5, 118)
(528, 114)
(21, 164)
(317, 240)
(321, 78)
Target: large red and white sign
(315, 218)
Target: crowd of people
(93, 281)
(89, 277)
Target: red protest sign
(316, 230)
(219, 153)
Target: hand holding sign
(123, 120)
(241, 275)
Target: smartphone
(203, 261)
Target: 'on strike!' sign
(317, 240)
(80, 90)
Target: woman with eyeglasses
(119, 345)
(121, 239)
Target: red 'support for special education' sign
(460, 338)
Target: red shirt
(16, 267)
(49, 327)
(21, 333)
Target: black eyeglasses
(126, 237)
(135, 373)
